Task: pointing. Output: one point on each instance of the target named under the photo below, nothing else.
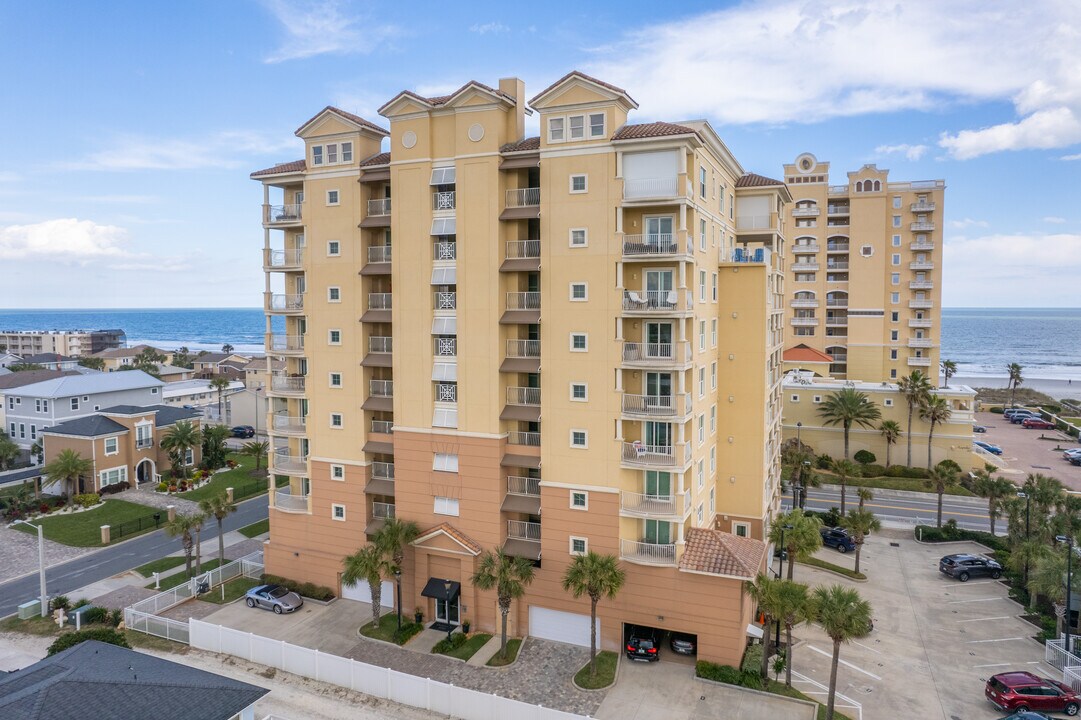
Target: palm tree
(181, 438)
(67, 467)
(891, 431)
(846, 407)
(995, 489)
(1047, 580)
(949, 369)
(942, 476)
(371, 565)
(845, 470)
(801, 537)
(864, 495)
(915, 388)
(935, 410)
(509, 575)
(763, 591)
(8, 450)
(860, 523)
(394, 536)
(1015, 379)
(257, 449)
(793, 607)
(218, 507)
(227, 348)
(597, 576)
(843, 615)
(214, 448)
(221, 384)
(200, 520)
(183, 526)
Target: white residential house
(200, 395)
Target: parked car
(1018, 418)
(243, 431)
(642, 645)
(1075, 459)
(1010, 412)
(1024, 691)
(1070, 452)
(993, 449)
(964, 566)
(683, 644)
(273, 597)
(1034, 423)
(1029, 715)
(979, 429)
(837, 538)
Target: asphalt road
(969, 513)
(74, 574)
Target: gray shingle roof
(43, 358)
(80, 384)
(98, 681)
(89, 426)
(29, 377)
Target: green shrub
(829, 518)
(116, 617)
(163, 486)
(751, 679)
(114, 488)
(823, 462)
(409, 629)
(864, 457)
(752, 658)
(71, 639)
(96, 615)
(718, 673)
(871, 470)
(950, 532)
(1053, 409)
(453, 643)
(997, 410)
(61, 602)
(86, 499)
(80, 602)
(308, 590)
(916, 473)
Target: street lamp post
(1028, 503)
(446, 595)
(780, 573)
(1069, 583)
(398, 580)
(41, 565)
(799, 445)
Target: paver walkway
(19, 553)
(145, 494)
(121, 598)
(541, 676)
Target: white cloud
(319, 27)
(911, 152)
(490, 27)
(65, 240)
(1032, 269)
(227, 149)
(1071, 157)
(967, 223)
(781, 61)
(1054, 220)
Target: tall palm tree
(846, 407)
(179, 439)
(891, 431)
(864, 495)
(183, 527)
(257, 449)
(220, 384)
(793, 606)
(843, 615)
(200, 520)
(1015, 379)
(915, 388)
(935, 410)
(949, 369)
(860, 523)
(218, 507)
(509, 576)
(995, 489)
(597, 576)
(371, 565)
(67, 467)
(214, 448)
(1047, 580)
(845, 470)
(800, 533)
(942, 476)
(394, 536)
(763, 591)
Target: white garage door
(560, 626)
(363, 593)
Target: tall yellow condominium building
(865, 271)
(547, 345)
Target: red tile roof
(530, 143)
(377, 159)
(653, 129)
(438, 100)
(802, 353)
(348, 116)
(456, 534)
(753, 180)
(286, 167)
(720, 553)
(589, 78)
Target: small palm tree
(915, 388)
(509, 575)
(801, 535)
(67, 467)
(597, 576)
(845, 470)
(371, 565)
(394, 536)
(942, 476)
(935, 410)
(221, 384)
(227, 348)
(218, 507)
(949, 369)
(860, 523)
(847, 407)
(257, 449)
(843, 615)
(891, 431)
(181, 438)
(763, 591)
(1047, 580)
(183, 527)
(793, 607)
(1014, 371)
(996, 489)
(865, 496)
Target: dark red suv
(1020, 691)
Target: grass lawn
(237, 478)
(250, 531)
(84, 529)
(180, 578)
(234, 589)
(606, 672)
(34, 626)
(513, 644)
(388, 629)
(847, 572)
(165, 563)
(470, 648)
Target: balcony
(805, 248)
(144, 443)
(284, 304)
(523, 197)
(632, 504)
(648, 355)
(920, 285)
(523, 495)
(839, 358)
(444, 301)
(523, 348)
(920, 304)
(919, 323)
(281, 215)
(645, 553)
(650, 188)
(380, 479)
(285, 501)
(757, 256)
(443, 200)
(837, 247)
(283, 424)
(380, 301)
(639, 455)
(528, 439)
(656, 302)
(444, 251)
(380, 207)
(283, 259)
(381, 388)
(803, 267)
(522, 307)
(523, 396)
(445, 347)
(841, 265)
(286, 344)
(922, 226)
(523, 539)
(379, 254)
(383, 470)
(804, 322)
(919, 342)
(804, 212)
(282, 463)
(804, 303)
(841, 221)
(921, 265)
(919, 361)
(523, 249)
(383, 427)
(656, 246)
(649, 407)
(837, 322)
(837, 302)
(287, 385)
(381, 512)
(838, 209)
(922, 207)
(446, 392)
(380, 344)
(751, 223)
(918, 246)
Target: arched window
(859, 186)
(878, 186)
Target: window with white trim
(596, 125)
(701, 382)
(897, 221)
(741, 529)
(579, 183)
(347, 152)
(579, 392)
(816, 399)
(579, 500)
(700, 514)
(189, 457)
(445, 462)
(579, 292)
(701, 334)
(317, 154)
(579, 342)
(895, 259)
(712, 462)
(577, 124)
(712, 500)
(75, 403)
(713, 375)
(112, 446)
(578, 237)
(702, 182)
(334, 248)
(333, 197)
(336, 420)
(334, 337)
(334, 294)
(555, 129)
(713, 420)
(888, 402)
(335, 379)
(337, 512)
(579, 439)
(896, 241)
(714, 287)
(446, 506)
(701, 429)
(895, 298)
(713, 332)
(701, 472)
(702, 242)
(112, 476)
(895, 278)
(337, 472)
(578, 545)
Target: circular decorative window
(476, 132)
(806, 162)
(409, 139)
(867, 250)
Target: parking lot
(1024, 452)
(330, 628)
(935, 640)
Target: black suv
(642, 645)
(837, 538)
(965, 566)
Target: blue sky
(130, 127)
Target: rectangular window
(555, 130)
(895, 298)
(579, 439)
(701, 334)
(579, 342)
(816, 399)
(699, 514)
(897, 241)
(893, 334)
(895, 259)
(334, 248)
(701, 472)
(446, 506)
(579, 500)
(578, 183)
(347, 152)
(741, 529)
(317, 155)
(712, 500)
(579, 392)
(702, 285)
(337, 472)
(112, 446)
(596, 125)
(445, 462)
(712, 463)
(893, 354)
(75, 403)
(895, 278)
(702, 182)
(701, 382)
(713, 420)
(334, 337)
(578, 126)
(337, 512)
(897, 221)
(336, 420)
(714, 287)
(334, 294)
(893, 375)
(579, 292)
(895, 316)
(332, 153)
(888, 402)
(33, 432)
(713, 376)
(897, 202)
(702, 238)
(335, 380)
(713, 332)
(578, 237)
(701, 429)
(37, 405)
(579, 546)
(332, 197)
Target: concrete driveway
(935, 641)
(330, 628)
(1024, 452)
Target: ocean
(1047, 342)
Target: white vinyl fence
(372, 680)
(1067, 662)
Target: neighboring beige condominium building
(552, 345)
(77, 343)
(865, 271)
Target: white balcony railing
(144, 443)
(443, 200)
(804, 322)
(284, 500)
(379, 254)
(837, 247)
(837, 209)
(380, 301)
(380, 344)
(381, 388)
(286, 343)
(285, 302)
(658, 187)
(919, 361)
(805, 248)
(383, 470)
(645, 552)
(521, 530)
(379, 207)
(445, 300)
(444, 250)
(445, 346)
(837, 321)
(523, 197)
(518, 485)
(840, 265)
(523, 396)
(446, 392)
(922, 226)
(804, 303)
(651, 301)
(656, 353)
(921, 265)
(529, 439)
(287, 464)
(382, 510)
(655, 245)
(523, 249)
(836, 302)
(523, 300)
(805, 212)
(287, 384)
(919, 323)
(756, 222)
(919, 342)
(285, 258)
(283, 213)
(651, 504)
(924, 207)
(655, 405)
(523, 348)
(921, 245)
(383, 427)
(803, 266)
(921, 285)
(638, 453)
(288, 423)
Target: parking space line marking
(994, 665)
(978, 582)
(1000, 617)
(845, 662)
(955, 602)
(879, 652)
(973, 642)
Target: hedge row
(308, 590)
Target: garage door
(363, 593)
(560, 626)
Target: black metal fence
(138, 525)
(249, 488)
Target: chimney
(516, 89)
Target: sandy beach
(1056, 388)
